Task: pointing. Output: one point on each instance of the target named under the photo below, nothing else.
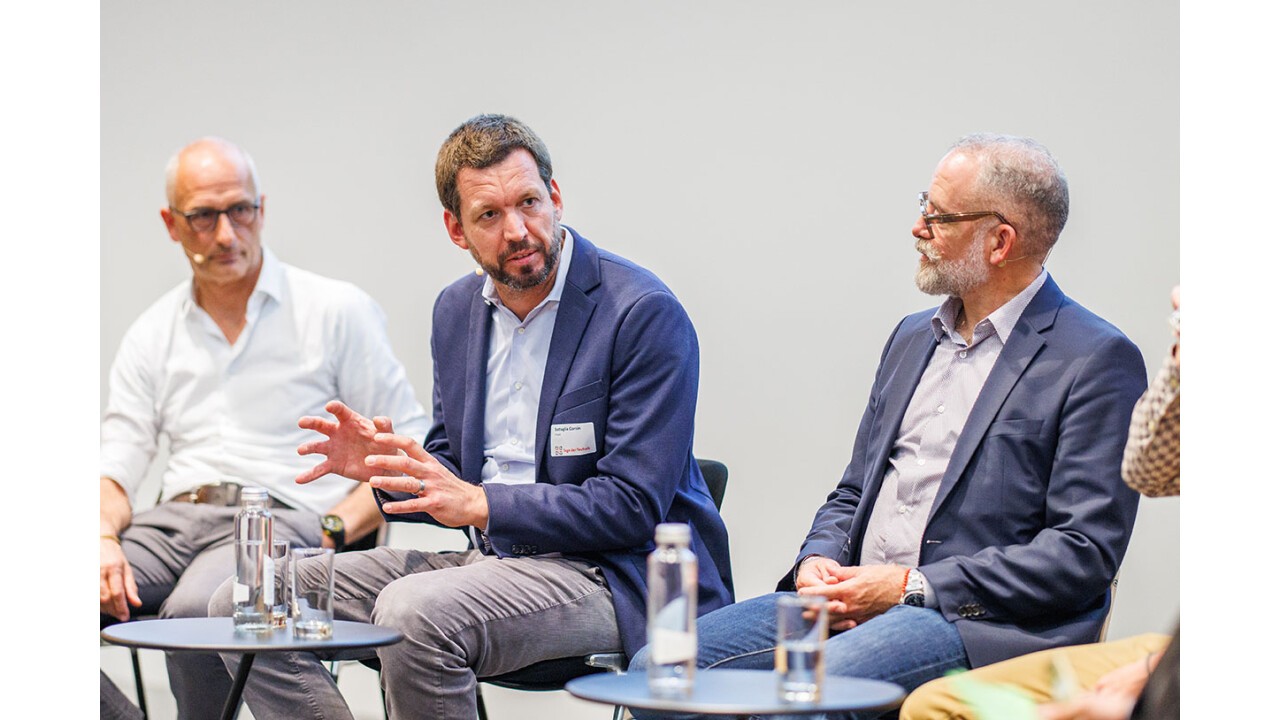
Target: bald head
(215, 212)
(202, 154)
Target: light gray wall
(761, 157)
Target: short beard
(953, 277)
(526, 279)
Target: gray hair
(1019, 174)
(229, 148)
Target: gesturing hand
(1112, 697)
(1090, 706)
(351, 438)
(1127, 680)
(441, 494)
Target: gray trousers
(463, 614)
(180, 553)
(112, 704)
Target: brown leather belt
(222, 494)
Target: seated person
(982, 515)
(223, 365)
(565, 384)
(1116, 673)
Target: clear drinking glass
(802, 636)
(311, 592)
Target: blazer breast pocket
(579, 397)
(1021, 426)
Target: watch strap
(912, 588)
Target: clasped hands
(369, 451)
(855, 594)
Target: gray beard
(954, 277)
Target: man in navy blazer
(565, 384)
(982, 514)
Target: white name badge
(573, 439)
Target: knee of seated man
(414, 600)
(934, 700)
(640, 661)
(185, 602)
(221, 605)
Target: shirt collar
(489, 291)
(1001, 320)
(270, 283)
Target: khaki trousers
(939, 699)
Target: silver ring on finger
(422, 486)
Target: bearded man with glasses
(223, 365)
(983, 514)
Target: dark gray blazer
(1032, 518)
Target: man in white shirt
(223, 366)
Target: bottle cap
(672, 534)
(253, 493)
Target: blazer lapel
(1024, 344)
(472, 450)
(572, 316)
(897, 393)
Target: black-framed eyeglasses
(940, 218)
(206, 219)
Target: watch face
(331, 523)
(914, 600)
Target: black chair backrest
(717, 477)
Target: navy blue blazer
(624, 357)
(1032, 518)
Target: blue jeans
(906, 645)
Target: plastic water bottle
(673, 603)
(255, 570)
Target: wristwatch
(335, 530)
(913, 593)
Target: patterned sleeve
(1152, 456)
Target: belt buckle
(224, 494)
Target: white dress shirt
(517, 361)
(513, 379)
(230, 411)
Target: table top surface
(737, 692)
(219, 635)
